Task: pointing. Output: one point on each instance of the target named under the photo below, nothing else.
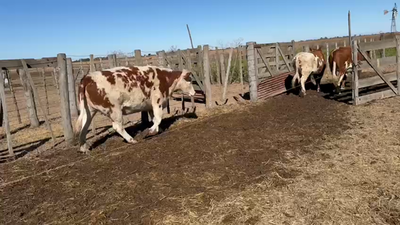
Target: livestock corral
(267, 156)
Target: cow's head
(185, 83)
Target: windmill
(394, 16)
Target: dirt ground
(287, 160)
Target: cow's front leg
(116, 117)
(157, 115)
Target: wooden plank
(265, 63)
(367, 46)
(227, 74)
(240, 68)
(377, 70)
(35, 93)
(42, 72)
(6, 120)
(207, 82)
(283, 56)
(30, 101)
(32, 63)
(375, 96)
(10, 83)
(371, 81)
(138, 58)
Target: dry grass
(349, 179)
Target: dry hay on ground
(286, 161)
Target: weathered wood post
(207, 82)
(64, 97)
(349, 26)
(327, 53)
(355, 74)
(10, 83)
(222, 65)
(36, 95)
(114, 56)
(219, 78)
(398, 63)
(30, 101)
(138, 57)
(5, 116)
(42, 72)
(101, 63)
(240, 50)
(111, 61)
(162, 63)
(293, 49)
(276, 58)
(92, 66)
(227, 74)
(251, 65)
(71, 90)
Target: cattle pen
(312, 159)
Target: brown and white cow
(125, 90)
(305, 64)
(341, 63)
(317, 76)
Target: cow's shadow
(136, 130)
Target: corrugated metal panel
(272, 86)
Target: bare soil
(186, 168)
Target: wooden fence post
(64, 97)
(138, 57)
(161, 58)
(115, 60)
(207, 82)
(30, 101)
(5, 116)
(398, 63)
(6, 73)
(111, 61)
(126, 61)
(241, 49)
(293, 49)
(222, 65)
(276, 58)
(71, 90)
(327, 52)
(92, 66)
(227, 74)
(355, 74)
(45, 90)
(251, 65)
(36, 95)
(101, 63)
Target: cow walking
(341, 64)
(125, 90)
(306, 64)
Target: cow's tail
(82, 102)
(296, 76)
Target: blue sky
(43, 28)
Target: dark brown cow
(340, 61)
(125, 90)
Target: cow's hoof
(84, 149)
(151, 133)
(302, 94)
(132, 141)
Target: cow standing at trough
(341, 64)
(125, 90)
(307, 64)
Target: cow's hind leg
(116, 117)
(87, 117)
(303, 80)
